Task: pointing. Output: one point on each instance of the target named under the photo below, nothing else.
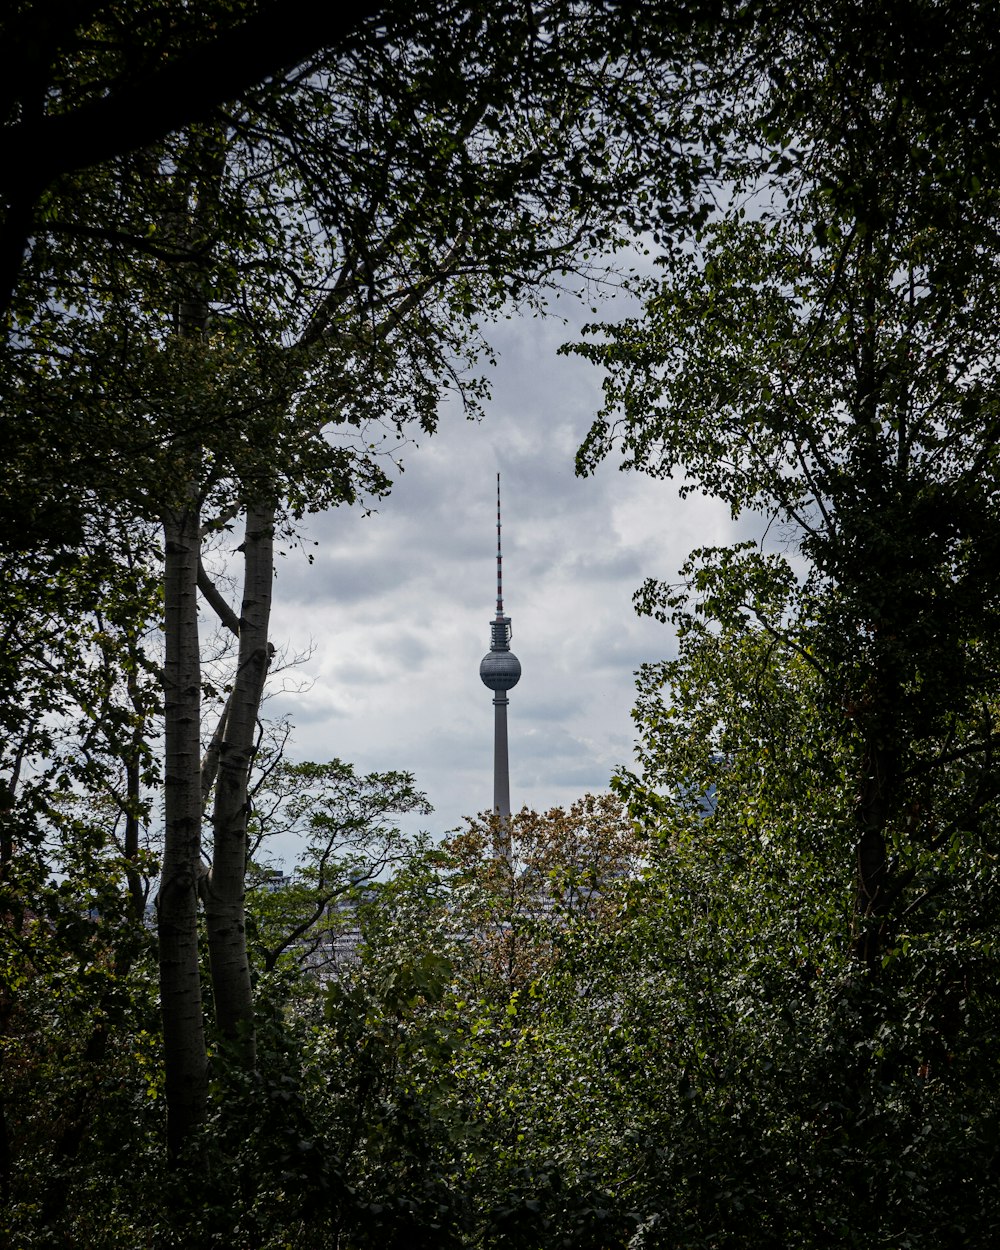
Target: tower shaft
(501, 766)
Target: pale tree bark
(223, 889)
(184, 1051)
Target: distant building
(271, 880)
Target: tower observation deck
(500, 671)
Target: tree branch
(185, 90)
(215, 600)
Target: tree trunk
(184, 1052)
(224, 888)
(133, 805)
(872, 871)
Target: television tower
(500, 670)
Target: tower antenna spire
(500, 671)
(499, 558)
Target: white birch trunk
(184, 1052)
(223, 891)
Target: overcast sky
(396, 607)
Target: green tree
(743, 1082)
(516, 884)
(79, 1040)
(349, 840)
(828, 363)
(824, 355)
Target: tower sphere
(500, 670)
